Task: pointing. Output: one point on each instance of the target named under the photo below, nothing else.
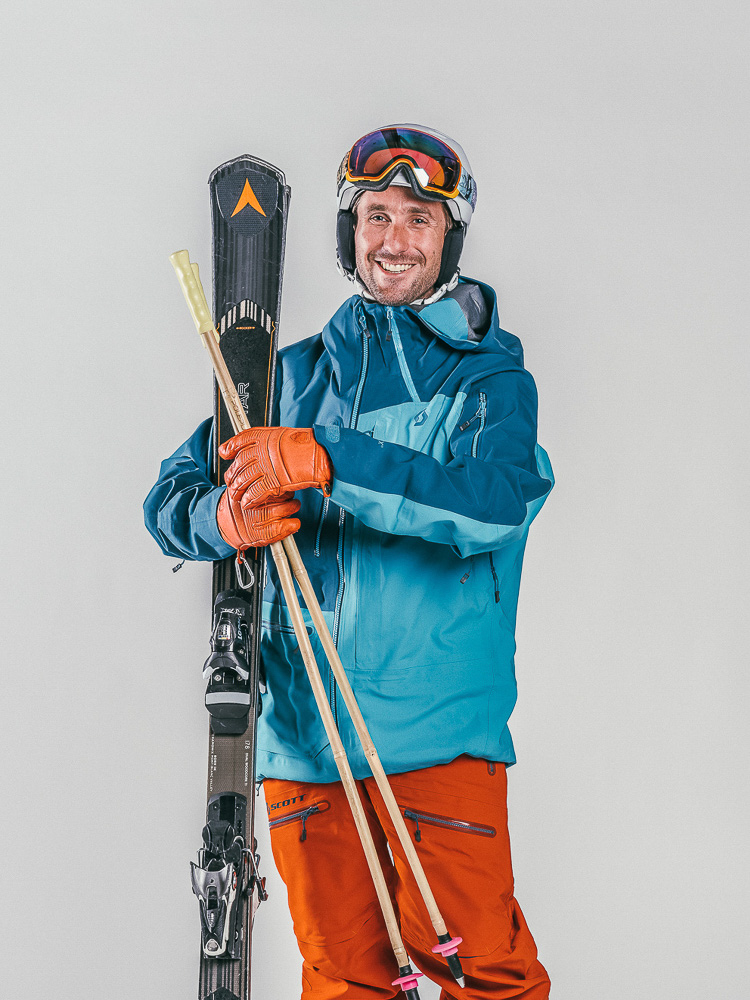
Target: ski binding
(225, 877)
(226, 669)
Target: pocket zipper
(494, 577)
(481, 416)
(289, 629)
(303, 814)
(446, 821)
(467, 574)
(470, 421)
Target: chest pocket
(423, 427)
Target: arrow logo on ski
(247, 199)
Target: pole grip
(190, 283)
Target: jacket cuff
(203, 522)
(327, 434)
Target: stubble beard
(418, 288)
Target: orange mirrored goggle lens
(437, 166)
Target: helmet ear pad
(452, 247)
(345, 223)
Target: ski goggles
(435, 167)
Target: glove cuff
(226, 523)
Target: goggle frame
(465, 187)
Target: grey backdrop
(608, 142)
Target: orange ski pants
(457, 815)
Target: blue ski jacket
(430, 421)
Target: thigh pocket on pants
(467, 862)
(446, 823)
(298, 817)
(319, 857)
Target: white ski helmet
(429, 162)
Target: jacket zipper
(323, 512)
(481, 416)
(494, 577)
(401, 357)
(470, 421)
(482, 419)
(467, 574)
(342, 515)
(303, 814)
(362, 372)
(446, 822)
(337, 607)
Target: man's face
(398, 242)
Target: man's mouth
(393, 268)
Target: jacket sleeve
(488, 491)
(180, 510)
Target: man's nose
(396, 238)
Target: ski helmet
(431, 164)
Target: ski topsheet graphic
(249, 206)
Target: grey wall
(607, 141)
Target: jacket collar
(465, 319)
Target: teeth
(394, 267)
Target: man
(415, 461)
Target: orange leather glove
(245, 527)
(269, 462)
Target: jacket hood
(467, 319)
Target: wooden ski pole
(447, 945)
(192, 288)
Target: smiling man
(407, 429)
(399, 244)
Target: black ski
(249, 206)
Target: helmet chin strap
(364, 291)
(448, 286)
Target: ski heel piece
(227, 669)
(216, 890)
(408, 980)
(223, 879)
